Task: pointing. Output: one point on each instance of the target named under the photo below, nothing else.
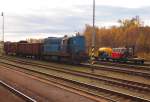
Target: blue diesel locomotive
(71, 49)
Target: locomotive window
(71, 41)
(120, 50)
(62, 41)
(74, 41)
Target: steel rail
(145, 66)
(136, 67)
(118, 69)
(111, 68)
(108, 93)
(104, 88)
(119, 82)
(18, 93)
(28, 71)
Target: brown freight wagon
(29, 49)
(10, 48)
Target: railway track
(132, 86)
(117, 64)
(83, 87)
(16, 92)
(109, 80)
(143, 72)
(87, 74)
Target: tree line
(131, 32)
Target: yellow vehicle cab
(104, 53)
(107, 50)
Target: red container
(10, 48)
(29, 49)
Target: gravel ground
(40, 90)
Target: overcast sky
(43, 18)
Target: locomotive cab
(77, 48)
(104, 53)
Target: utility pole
(93, 36)
(2, 33)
